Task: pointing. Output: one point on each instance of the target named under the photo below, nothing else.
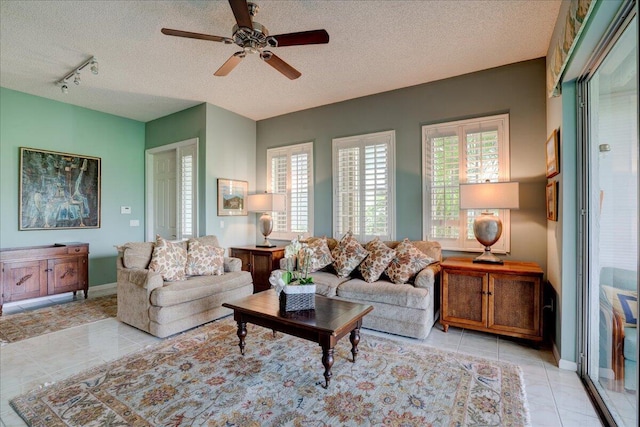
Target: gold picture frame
(552, 201)
(232, 197)
(58, 190)
(551, 155)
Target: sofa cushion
(407, 262)
(204, 260)
(198, 287)
(385, 292)
(206, 240)
(348, 255)
(137, 254)
(320, 256)
(380, 255)
(169, 259)
(625, 304)
(327, 282)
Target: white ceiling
(374, 46)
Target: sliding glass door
(610, 225)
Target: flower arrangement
(294, 253)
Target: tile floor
(556, 397)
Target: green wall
(30, 121)
(517, 89)
(227, 147)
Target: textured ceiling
(374, 46)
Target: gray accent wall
(517, 89)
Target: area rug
(200, 379)
(20, 326)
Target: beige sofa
(161, 308)
(408, 309)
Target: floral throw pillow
(348, 255)
(168, 259)
(204, 260)
(380, 255)
(408, 261)
(319, 256)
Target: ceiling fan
(254, 37)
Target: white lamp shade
(266, 202)
(490, 195)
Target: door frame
(149, 191)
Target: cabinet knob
(77, 249)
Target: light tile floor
(556, 397)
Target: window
(473, 150)
(363, 186)
(187, 191)
(290, 171)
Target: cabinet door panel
(514, 303)
(464, 299)
(22, 280)
(262, 266)
(65, 275)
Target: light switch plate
(125, 210)
(134, 223)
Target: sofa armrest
(427, 277)
(232, 264)
(146, 279)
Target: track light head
(64, 88)
(76, 79)
(94, 66)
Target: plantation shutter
(363, 186)
(187, 191)
(473, 151)
(290, 172)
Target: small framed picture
(232, 197)
(552, 201)
(553, 166)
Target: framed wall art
(58, 190)
(552, 201)
(553, 166)
(232, 197)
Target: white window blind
(474, 150)
(290, 172)
(363, 176)
(187, 162)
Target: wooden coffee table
(331, 320)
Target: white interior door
(165, 197)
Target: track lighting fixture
(75, 74)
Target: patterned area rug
(20, 326)
(200, 379)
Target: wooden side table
(501, 299)
(260, 262)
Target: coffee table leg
(242, 333)
(327, 362)
(355, 339)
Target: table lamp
(266, 203)
(488, 227)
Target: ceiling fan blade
(187, 34)
(277, 63)
(241, 12)
(301, 38)
(231, 63)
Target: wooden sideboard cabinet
(37, 271)
(260, 262)
(502, 299)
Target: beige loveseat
(165, 308)
(404, 309)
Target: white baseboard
(563, 364)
